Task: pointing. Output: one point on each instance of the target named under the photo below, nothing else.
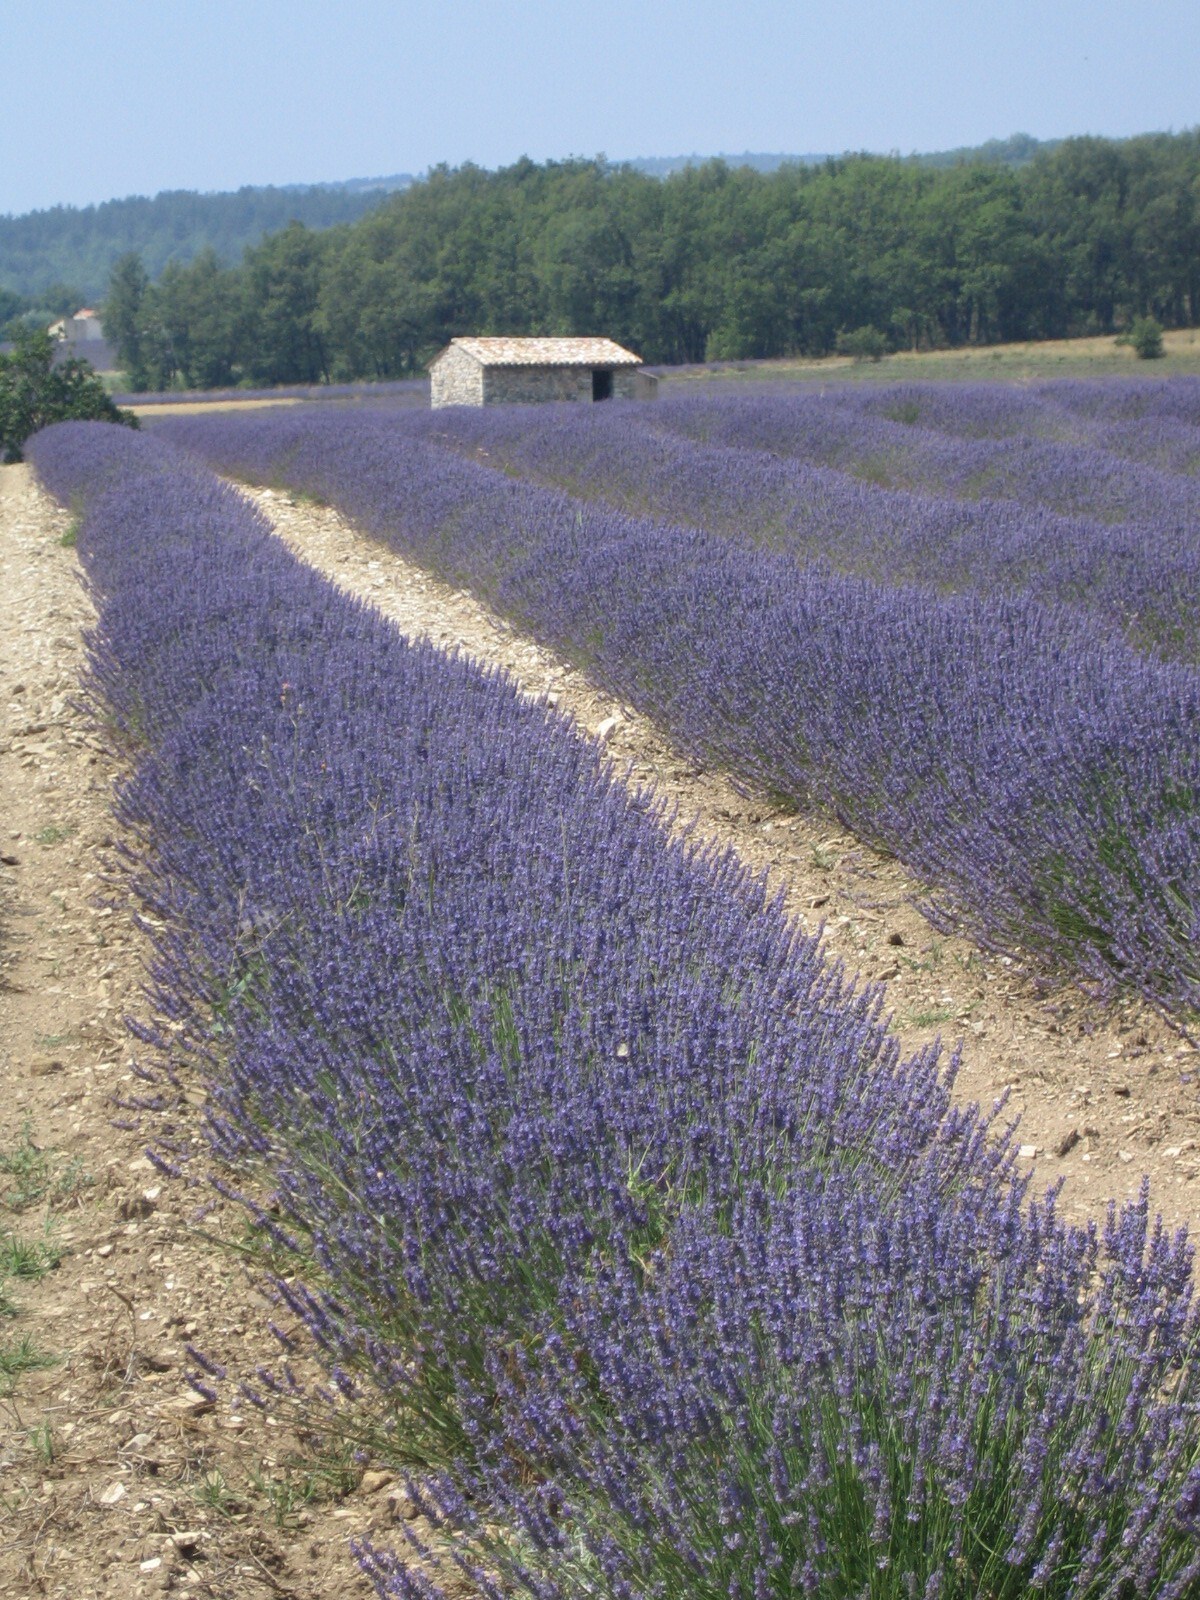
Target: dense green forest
(79, 245)
(1014, 151)
(710, 262)
(66, 253)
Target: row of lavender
(1152, 421)
(1142, 580)
(623, 1200)
(1041, 775)
(1092, 471)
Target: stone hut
(492, 372)
(82, 335)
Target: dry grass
(187, 408)
(1052, 358)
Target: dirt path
(116, 1479)
(1104, 1094)
(195, 408)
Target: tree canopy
(81, 244)
(711, 262)
(35, 391)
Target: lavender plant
(1070, 477)
(1157, 423)
(1041, 776)
(1142, 580)
(621, 1196)
(479, 850)
(1068, 409)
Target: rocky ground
(116, 1477)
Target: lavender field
(991, 675)
(668, 1274)
(836, 488)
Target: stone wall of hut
(455, 379)
(458, 379)
(504, 386)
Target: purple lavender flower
(749, 1306)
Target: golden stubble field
(1031, 362)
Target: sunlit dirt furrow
(116, 1478)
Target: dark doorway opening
(601, 385)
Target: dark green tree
(282, 285)
(11, 306)
(1146, 337)
(124, 306)
(34, 392)
(193, 322)
(863, 344)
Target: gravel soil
(116, 1477)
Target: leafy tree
(61, 299)
(35, 392)
(374, 314)
(194, 323)
(124, 305)
(864, 344)
(282, 281)
(19, 311)
(1146, 337)
(11, 306)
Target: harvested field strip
(1038, 776)
(631, 1210)
(187, 408)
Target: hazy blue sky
(132, 96)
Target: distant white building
(85, 327)
(81, 337)
(490, 372)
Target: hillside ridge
(75, 247)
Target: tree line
(23, 313)
(79, 245)
(709, 263)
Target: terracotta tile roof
(548, 352)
